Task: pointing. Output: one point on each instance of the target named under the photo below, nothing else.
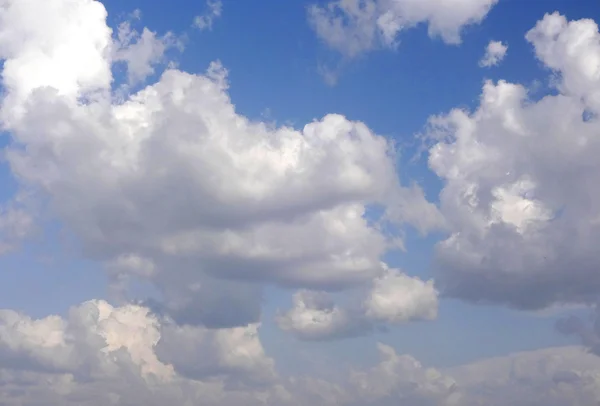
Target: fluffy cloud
(519, 175)
(353, 27)
(494, 54)
(393, 298)
(105, 355)
(172, 186)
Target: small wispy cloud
(205, 21)
(329, 75)
(494, 54)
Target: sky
(303, 202)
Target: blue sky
(83, 223)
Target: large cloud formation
(171, 185)
(520, 194)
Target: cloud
(141, 52)
(353, 27)
(393, 298)
(171, 186)
(518, 175)
(494, 54)
(205, 21)
(100, 354)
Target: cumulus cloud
(494, 54)
(172, 186)
(393, 298)
(214, 10)
(105, 355)
(519, 177)
(353, 27)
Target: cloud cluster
(104, 355)
(519, 176)
(353, 27)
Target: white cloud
(172, 178)
(63, 44)
(519, 174)
(353, 27)
(494, 54)
(214, 10)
